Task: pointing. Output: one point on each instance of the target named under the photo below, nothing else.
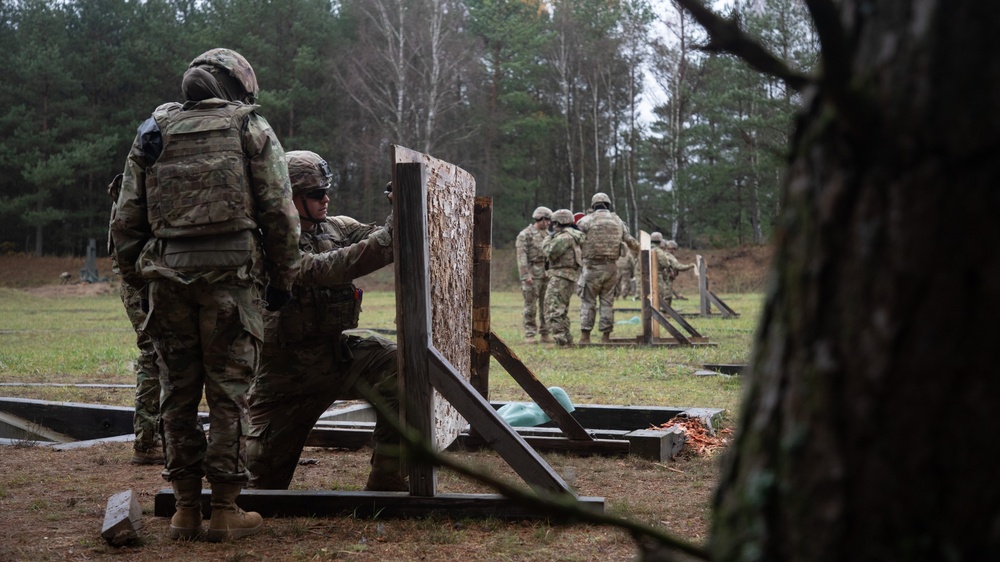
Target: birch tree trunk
(871, 402)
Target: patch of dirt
(74, 289)
(52, 508)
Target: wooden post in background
(702, 270)
(482, 247)
(645, 258)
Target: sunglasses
(316, 194)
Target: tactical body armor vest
(199, 185)
(568, 260)
(603, 237)
(319, 312)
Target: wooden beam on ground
(481, 415)
(74, 420)
(536, 390)
(311, 503)
(122, 519)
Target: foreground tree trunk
(867, 425)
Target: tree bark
(872, 391)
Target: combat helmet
(235, 64)
(542, 213)
(656, 238)
(670, 244)
(307, 171)
(600, 197)
(563, 217)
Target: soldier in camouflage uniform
(562, 250)
(603, 235)
(667, 268)
(148, 445)
(308, 361)
(205, 210)
(626, 272)
(531, 271)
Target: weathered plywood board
(451, 193)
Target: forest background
(545, 103)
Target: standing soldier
(148, 446)
(531, 271)
(603, 235)
(667, 268)
(308, 361)
(205, 206)
(626, 273)
(562, 250)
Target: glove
(276, 298)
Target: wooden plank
(413, 318)
(75, 420)
(681, 338)
(481, 415)
(684, 323)
(726, 368)
(312, 503)
(656, 444)
(449, 208)
(555, 444)
(701, 269)
(536, 390)
(647, 316)
(727, 312)
(16, 427)
(482, 242)
(122, 519)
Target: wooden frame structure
(652, 319)
(707, 297)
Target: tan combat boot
(186, 522)
(584, 336)
(605, 337)
(546, 338)
(228, 520)
(387, 474)
(529, 339)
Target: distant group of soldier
(591, 254)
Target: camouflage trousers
(557, 296)
(598, 283)
(146, 421)
(665, 288)
(298, 382)
(626, 284)
(534, 306)
(208, 336)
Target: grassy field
(51, 503)
(88, 339)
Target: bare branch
(726, 36)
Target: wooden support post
(536, 390)
(647, 315)
(656, 444)
(481, 415)
(681, 338)
(702, 269)
(413, 319)
(482, 241)
(684, 323)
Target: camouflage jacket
(668, 266)
(530, 257)
(234, 257)
(562, 250)
(603, 234)
(325, 301)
